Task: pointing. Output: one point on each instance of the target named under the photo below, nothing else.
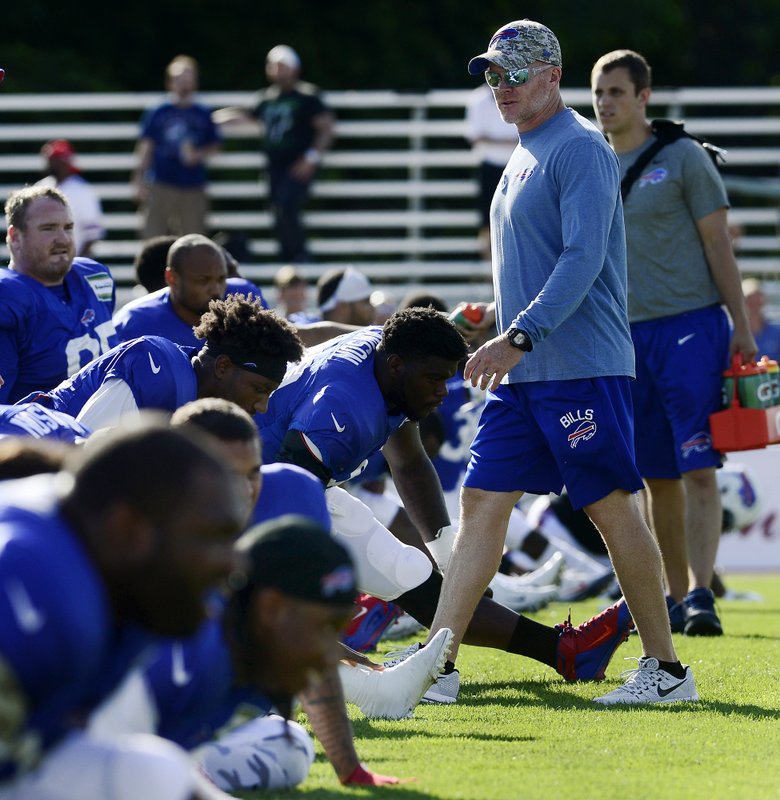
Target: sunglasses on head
(514, 77)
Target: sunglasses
(514, 77)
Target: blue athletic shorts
(539, 437)
(679, 366)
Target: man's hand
(491, 362)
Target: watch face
(519, 339)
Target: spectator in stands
(63, 174)
(291, 292)
(96, 568)
(177, 139)
(196, 273)
(681, 268)
(55, 311)
(298, 128)
(767, 333)
(492, 142)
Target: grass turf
(519, 731)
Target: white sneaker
(648, 683)
(444, 690)
(394, 692)
(510, 592)
(547, 574)
(401, 628)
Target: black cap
(298, 557)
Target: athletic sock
(449, 668)
(534, 640)
(673, 668)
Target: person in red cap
(63, 174)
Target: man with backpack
(681, 271)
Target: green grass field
(519, 731)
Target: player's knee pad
(265, 753)
(385, 566)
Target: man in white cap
(559, 411)
(297, 128)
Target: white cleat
(510, 592)
(648, 683)
(394, 692)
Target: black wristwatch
(519, 339)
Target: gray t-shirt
(559, 258)
(667, 270)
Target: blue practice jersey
(333, 397)
(158, 372)
(288, 489)
(58, 639)
(460, 415)
(49, 333)
(32, 419)
(153, 315)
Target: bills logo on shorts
(700, 442)
(583, 432)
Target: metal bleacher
(396, 195)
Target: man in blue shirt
(126, 543)
(55, 311)
(177, 139)
(559, 407)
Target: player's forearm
(324, 705)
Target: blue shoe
(676, 615)
(701, 618)
(584, 651)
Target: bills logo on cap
(506, 33)
(586, 430)
(341, 580)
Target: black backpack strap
(635, 170)
(665, 131)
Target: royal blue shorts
(679, 366)
(539, 437)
